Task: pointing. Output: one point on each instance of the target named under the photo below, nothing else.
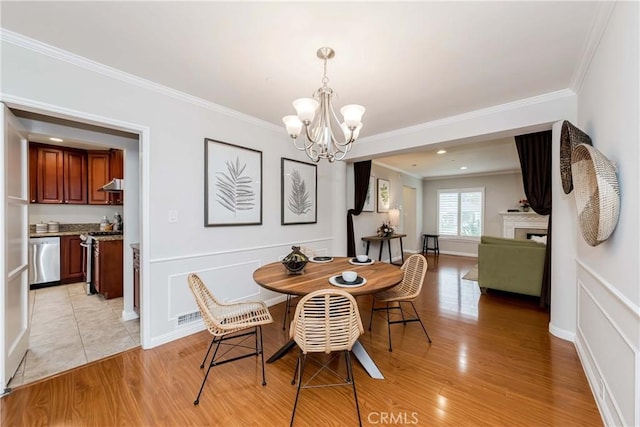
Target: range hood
(115, 185)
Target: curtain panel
(361, 173)
(534, 151)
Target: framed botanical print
(232, 185)
(384, 196)
(370, 202)
(299, 192)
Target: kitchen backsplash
(71, 214)
(71, 227)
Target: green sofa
(511, 265)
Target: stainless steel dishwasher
(44, 260)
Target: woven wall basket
(569, 138)
(597, 193)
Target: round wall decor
(569, 138)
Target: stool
(425, 243)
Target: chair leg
(353, 384)
(264, 378)
(373, 303)
(389, 327)
(207, 353)
(404, 321)
(420, 320)
(287, 307)
(195, 402)
(301, 362)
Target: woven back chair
(326, 321)
(415, 269)
(225, 322)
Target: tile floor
(70, 328)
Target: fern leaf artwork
(234, 190)
(299, 200)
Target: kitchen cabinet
(60, 175)
(71, 259)
(98, 162)
(107, 268)
(136, 278)
(33, 173)
(103, 167)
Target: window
(460, 212)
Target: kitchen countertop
(74, 230)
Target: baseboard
(465, 254)
(562, 333)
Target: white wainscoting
(229, 276)
(607, 341)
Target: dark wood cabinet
(71, 259)
(136, 278)
(103, 167)
(75, 177)
(33, 173)
(50, 175)
(98, 176)
(107, 268)
(60, 175)
(116, 170)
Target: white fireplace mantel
(513, 220)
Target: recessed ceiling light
(441, 151)
(463, 167)
(56, 139)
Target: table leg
(401, 251)
(368, 247)
(282, 351)
(380, 253)
(366, 361)
(389, 245)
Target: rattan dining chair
(414, 268)
(236, 321)
(325, 321)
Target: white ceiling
(407, 62)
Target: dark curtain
(534, 151)
(361, 173)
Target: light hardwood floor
(492, 362)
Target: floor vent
(188, 318)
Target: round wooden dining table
(379, 276)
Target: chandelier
(320, 129)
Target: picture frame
(370, 202)
(299, 192)
(384, 195)
(232, 184)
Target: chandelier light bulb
(317, 121)
(306, 109)
(293, 125)
(352, 115)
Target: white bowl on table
(349, 276)
(362, 258)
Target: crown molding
(472, 175)
(521, 103)
(600, 22)
(96, 67)
(393, 168)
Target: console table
(387, 239)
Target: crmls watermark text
(394, 418)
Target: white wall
(173, 127)
(608, 278)
(502, 192)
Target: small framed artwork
(383, 195)
(370, 202)
(299, 192)
(232, 184)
